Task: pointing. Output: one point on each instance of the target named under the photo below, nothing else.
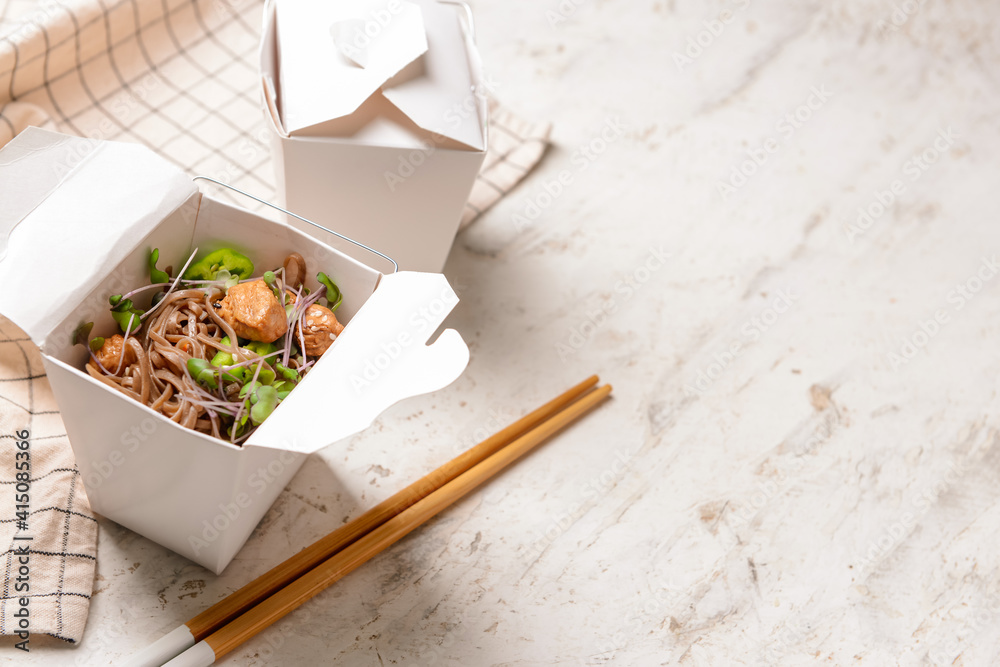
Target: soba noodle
(184, 326)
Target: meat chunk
(320, 330)
(110, 355)
(253, 312)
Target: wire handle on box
(468, 14)
(395, 266)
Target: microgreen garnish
(333, 296)
(125, 313)
(82, 333)
(155, 275)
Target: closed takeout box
(377, 119)
(79, 220)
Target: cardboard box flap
(384, 360)
(444, 100)
(333, 57)
(44, 177)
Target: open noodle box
(377, 117)
(78, 222)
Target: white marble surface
(808, 500)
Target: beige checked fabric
(516, 146)
(179, 76)
(58, 539)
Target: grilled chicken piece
(253, 312)
(321, 329)
(110, 355)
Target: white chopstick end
(166, 647)
(199, 655)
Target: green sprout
(202, 372)
(223, 358)
(333, 295)
(230, 279)
(261, 348)
(289, 374)
(125, 313)
(155, 275)
(264, 400)
(82, 333)
(284, 388)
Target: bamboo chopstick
(284, 573)
(292, 596)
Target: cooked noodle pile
(185, 326)
(188, 323)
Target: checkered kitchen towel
(57, 541)
(180, 77)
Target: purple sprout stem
(301, 306)
(173, 286)
(208, 398)
(121, 357)
(250, 361)
(291, 333)
(98, 361)
(232, 437)
(246, 435)
(144, 288)
(302, 325)
(213, 406)
(302, 335)
(298, 313)
(223, 282)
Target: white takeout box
(77, 225)
(377, 119)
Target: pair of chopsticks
(224, 626)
